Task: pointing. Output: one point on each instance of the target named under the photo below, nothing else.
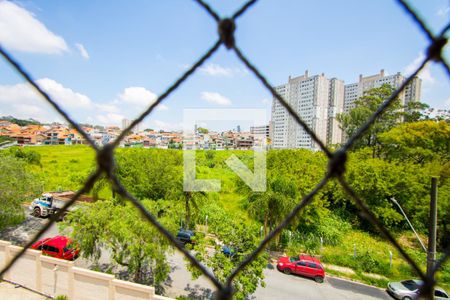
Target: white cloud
(266, 101)
(161, 125)
(21, 31)
(26, 111)
(215, 98)
(140, 97)
(425, 74)
(216, 70)
(447, 102)
(443, 11)
(23, 93)
(22, 101)
(20, 92)
(83, 51)
(109, 108)
(110, 119)
(137, 96)
(162, 107)
(64, 96)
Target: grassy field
(360, 254)
(372, 257)
(64, 167)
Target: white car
(409, 289)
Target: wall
(55, 277)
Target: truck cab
(42, 206)
(51, 202)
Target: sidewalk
(10, 292)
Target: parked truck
(51, 202)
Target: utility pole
(431, 258)
(410, 225)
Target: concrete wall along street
(55, 277)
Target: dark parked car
(304, 265)
(231, 251)
(228, 251)
(185, 236)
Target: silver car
(409, 289)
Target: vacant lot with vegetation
(330, 227)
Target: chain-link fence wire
(336, 160)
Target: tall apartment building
(319, 100)
(125, 123)
(263, 130)
(309, 96)
(280, 118)
(353, 91)
(335, 107)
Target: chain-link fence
(336, 159)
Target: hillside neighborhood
(59, 134)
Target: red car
(304, 265)
(59, 246)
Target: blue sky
(106, 60)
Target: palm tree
(194, 199)
(271, 207)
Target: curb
(355, 282)
(273, 261)
(349, 281)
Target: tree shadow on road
(357, 288)
(199, 293)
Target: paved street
(278, 285)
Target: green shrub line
(372, 256)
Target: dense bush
(27, 155)
(17, 185)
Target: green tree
(173, 145)
(272, 206)
(156, 174)
(134, 243)
(443, 237)
(416, 111)
(101, 184)
(20, 122)
(376, 181)
(241, 237)
(149, 173)
(202, 130)
(27, 155)
(17, 185)
(5, 139)
(418, 142)
(304, 169)
(365, 106)
(290, 176)
(192, 199)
